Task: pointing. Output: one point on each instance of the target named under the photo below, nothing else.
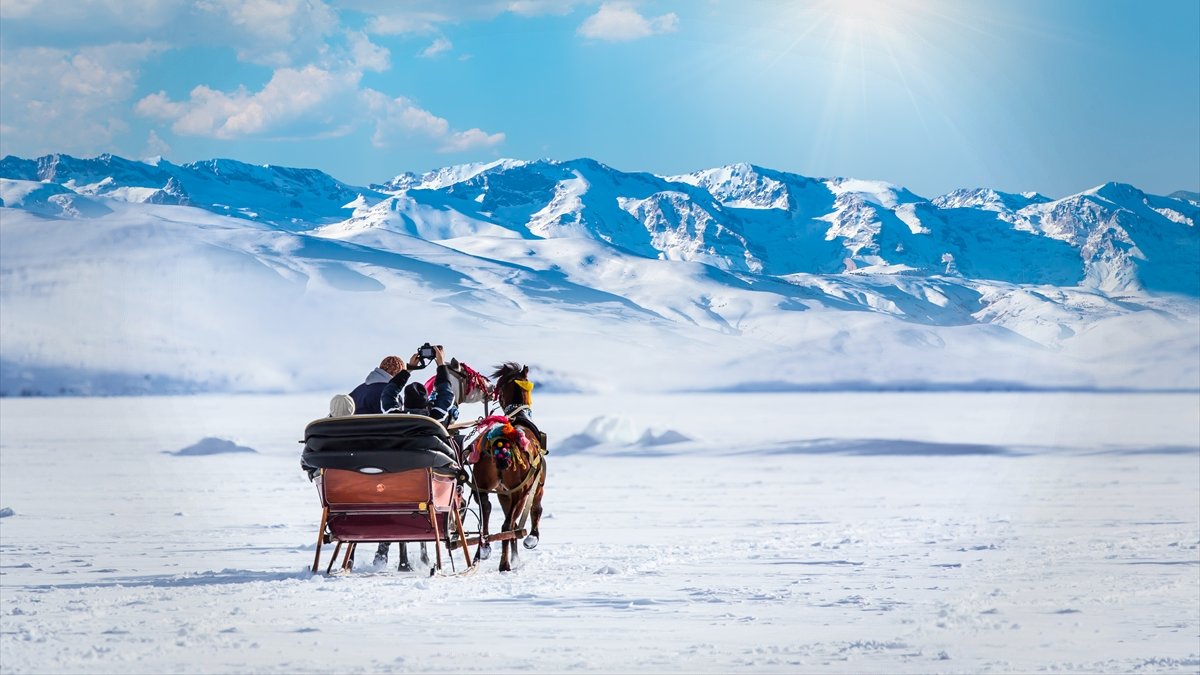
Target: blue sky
(929, 94)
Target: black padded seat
(377, 444)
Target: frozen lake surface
(794, 532)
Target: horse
(510, 462)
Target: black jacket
(437, 407)
(366, 395)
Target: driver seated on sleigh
(402, 396)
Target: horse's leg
(506, 503)
(381, 553)
(485, 513)
(424, 555)
(518, 509)
(403, 566)
(535, 513)
(505, 565)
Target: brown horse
(511, 462)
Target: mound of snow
(603, 430)
(606, 430)
(664, 437)
(212, 446)
(6, 512)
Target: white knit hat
(341, 406)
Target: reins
(516, 409)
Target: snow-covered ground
(846, 532)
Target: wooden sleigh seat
(383, 478)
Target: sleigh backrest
(377, 444)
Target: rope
(529, 497)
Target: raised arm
(390, 398)
(443, 391)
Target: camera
(426, 351)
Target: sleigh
(384, 478)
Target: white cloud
(471, 139)
(155, 146)
(406, 22)
(17, 9)
(426, 16)
(293, 100)
(541, 7)
(79, 99)
(366, 55)
(399, 117)
(439, 46)
(106, 20)
(308, 102)
(266, 32)
(620, 21)
(55, 97)
(273, 32)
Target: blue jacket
(437, 405)
(367, 395)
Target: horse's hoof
(485, 551)
(404, 567)
(380, 560)
(530, 542)
(505, 567)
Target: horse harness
(519, 415)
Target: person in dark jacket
(400, 395)
(367, 395)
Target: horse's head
(513, 387)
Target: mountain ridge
(724, 270)
(739, 217)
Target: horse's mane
(506, 372)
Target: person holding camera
(400, 395)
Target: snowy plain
(841, 532)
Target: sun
(864, 70)
(865, 17)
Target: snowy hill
(124, 276)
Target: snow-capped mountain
(989, 200)
(224, 275)
(281, 196)
(445, 176)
